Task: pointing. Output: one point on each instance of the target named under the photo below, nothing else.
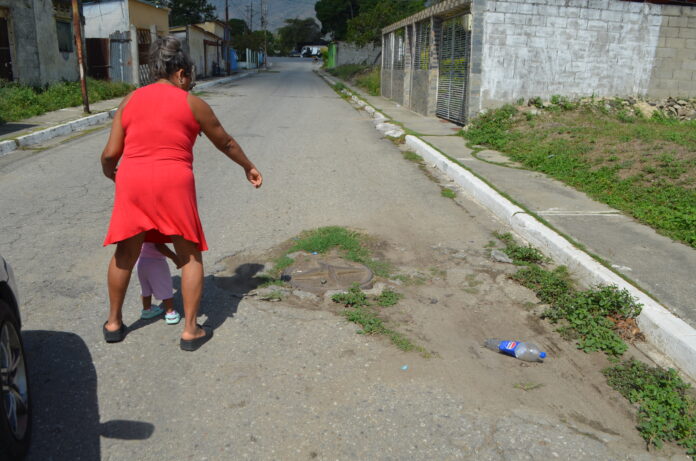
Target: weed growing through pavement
(359, 310)
(667, 412)
(527, 386)
(354, 297)
(448, 193)
(388, 298)
(519, 253)
(589, 316)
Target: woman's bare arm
(213, 129)
(114, 146)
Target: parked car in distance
(294, 54)
(15, 405)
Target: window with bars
(144, 40)
(421, 60)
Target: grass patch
(591, 316)
(667, 412)
(644, 167)
(18, 102)
(353, 246)
(448, 193)
(413, 157)
(366, 77)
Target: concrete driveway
(280, 381)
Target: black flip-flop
(191, 345)
(114, 336)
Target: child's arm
(164, 249)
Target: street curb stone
(80, 124)
(668, 333)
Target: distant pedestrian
(156, 280)
(151, 145)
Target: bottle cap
(542, 355)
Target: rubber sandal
(114, 336)
(172, 318)
(151, 313)
(191, 345)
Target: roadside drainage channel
(80, 124)
(668, 333)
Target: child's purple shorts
(155, 278)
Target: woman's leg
(118, 277)
(191, 284)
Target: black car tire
(13, 447)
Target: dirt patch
(453, 300)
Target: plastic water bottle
(528, 352)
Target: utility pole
(264, 23)
(77, 27)
(227, 37)
(250, 15)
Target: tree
(238, 27)
(184, 12)
(334, 16)
(376, 15)
(296, 31)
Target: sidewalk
(35, 130)
(653, 263)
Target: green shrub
(18, 101)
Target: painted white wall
(104, 18)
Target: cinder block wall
(348, 53)
(580, 48)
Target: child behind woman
(155, 279)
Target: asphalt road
(278, 381)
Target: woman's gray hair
(168, 56)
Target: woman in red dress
(151, 145)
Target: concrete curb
(63, 129)
(231, 78)
(80, 124)
(668, 333)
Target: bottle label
(508, 347)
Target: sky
(278, 10)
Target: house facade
(118, 34)
(37, 41)
(205, 44)
(460, 57)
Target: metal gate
(120, 67)
(454, 50)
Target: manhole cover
(318, 274)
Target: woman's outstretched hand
(254, 177)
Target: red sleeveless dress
(155, 189)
